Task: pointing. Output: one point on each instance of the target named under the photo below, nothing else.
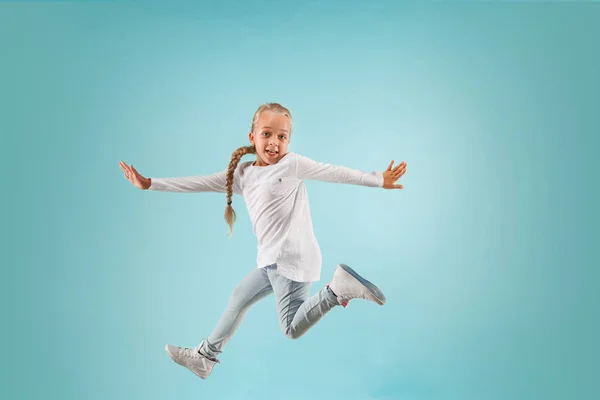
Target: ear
(251, 138)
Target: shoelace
(195, 353)
(190, 353)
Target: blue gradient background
(488, 257)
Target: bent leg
(251, 289)
(297, 310)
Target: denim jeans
(297, 310)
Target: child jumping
(289, 257)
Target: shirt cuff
(379, 175)
(155, 184)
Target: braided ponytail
(239, 153)
(235, 159)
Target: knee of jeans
(291, 333)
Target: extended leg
(201, 359)
(251, 289)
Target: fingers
(399, 170)
(125, 167)
(135, 173)
(129, 173)
(389, 168)
(400, 166)
(398, 187)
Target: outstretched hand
(391, 175)
(134, 177)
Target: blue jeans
(297, 311)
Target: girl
(289, 257)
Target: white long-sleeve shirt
(277, 203)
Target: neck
(260, 163)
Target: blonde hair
(239, 153)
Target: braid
(235, 159)
(239, 153)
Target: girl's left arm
(309, 169)
(315, 170)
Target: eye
(266, 133)
(282, 137)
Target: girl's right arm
(189, 184)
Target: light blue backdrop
(487, 257)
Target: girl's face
(270, 137)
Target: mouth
(272, 153)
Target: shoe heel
(375, 292)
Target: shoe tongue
(199, 350)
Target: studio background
(487, 256)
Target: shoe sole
(377, 294)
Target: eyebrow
(282, 130)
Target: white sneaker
(192, 359)
(348, 285)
